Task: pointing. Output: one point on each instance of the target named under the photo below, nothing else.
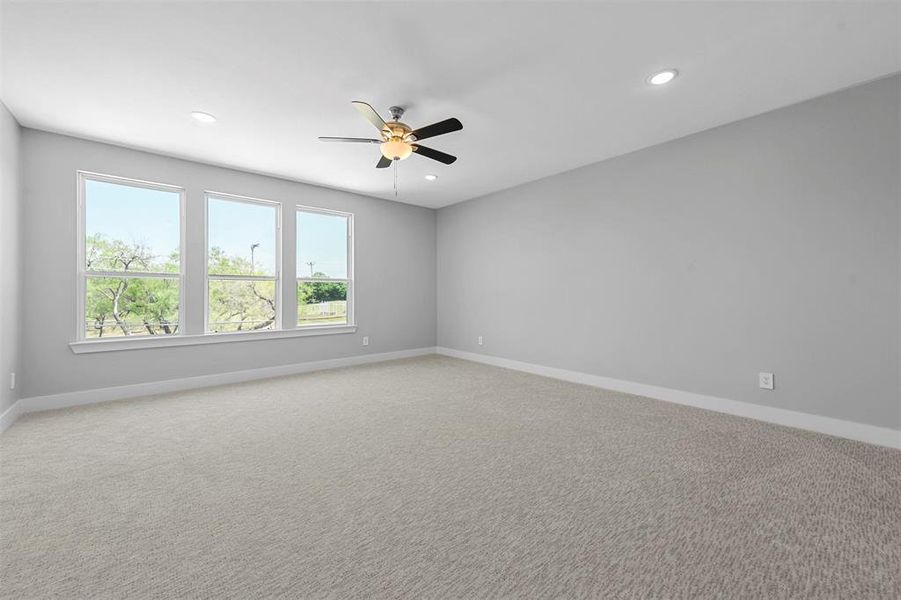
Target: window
(129, 258)
(324, 267)
(242, 264)
(134, 269)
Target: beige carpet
(438, 478)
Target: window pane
(131, 228)
(321, 245)
(118, 307)
(241, 238)
(237, 305)
(321, 303)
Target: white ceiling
(540, 87)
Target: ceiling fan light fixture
(396, 149)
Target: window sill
(141, 343)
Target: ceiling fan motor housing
(396, 129)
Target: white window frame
(81, 247)
(277, 325)
(351, 318)
(286, 323)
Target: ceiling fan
(398, 140)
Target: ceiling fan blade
(357, 140)
(434, 154)
(370, 114)
(383, 163)
(440, 128)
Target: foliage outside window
(324, 284)
(131, 258)
(242, 267)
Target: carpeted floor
(438, 478)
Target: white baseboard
(54, 401)
(10, 415)
(861, 432)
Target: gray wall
(10, 257)
(770, 244)
(394, 267)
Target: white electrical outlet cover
(765, 380)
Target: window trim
(349, 280)
(82, 177)
(277, 278)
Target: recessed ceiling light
(431, 177)
(203, 117)
(663, 77)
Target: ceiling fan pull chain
(395, 178)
